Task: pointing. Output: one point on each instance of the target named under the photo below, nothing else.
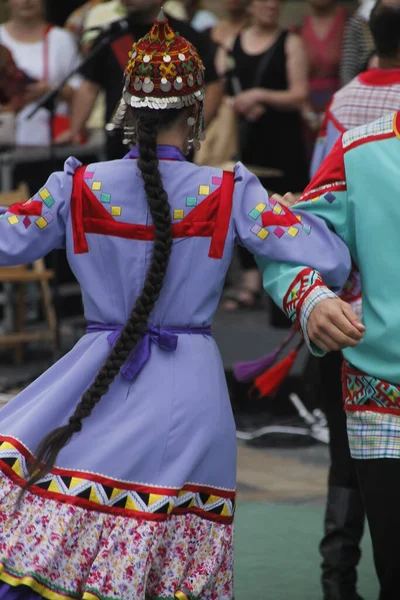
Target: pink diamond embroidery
(27, 222)
(216, 180)
(279, 232)
(88, 175)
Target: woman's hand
(246, 101)
(333, 325)
(255, 113)
(287, 200)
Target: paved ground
(279, 475)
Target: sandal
(241, 299)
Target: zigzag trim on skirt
(95, 492)
(39, 585)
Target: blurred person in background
(175, 9)
(47, 54)
(371, 94)
(271, 68)
(220, 149)
(230, 27)
(199, 18)
(13, 83)
(99, 16)
(358, 44)
(322, 32)
(77, 19)
(105, 71)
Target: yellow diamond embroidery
(93, 496)
(96, 186)
(116, 211)
(131, 504)
(153, 498)
(115, 493)
(315, 199)
(75, 481)
(277, 209)
(41, 223)
(179, 214)
(211, 499)
(13, 220)
(44, 194)
(293, 231)
(261, 207)
(225, 511)
(263, 234)
(53, 487)
(204, 190)
(17, 468)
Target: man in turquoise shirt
(357, 192)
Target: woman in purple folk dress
(131, 495)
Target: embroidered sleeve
(30, 230)
(295, 252)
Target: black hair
(384, 23)
(147, 123)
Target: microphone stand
(49, 102)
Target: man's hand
(333, 325)
(287, 200)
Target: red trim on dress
(114, 510)
(288, 219)
(331, 176)
(33, 209)
(80, 244)
(210, 218)
(378, 77)
(223, 217)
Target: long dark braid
(147, 126)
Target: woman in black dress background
(271, 72)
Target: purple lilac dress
(141, 503)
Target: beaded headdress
(164, 71)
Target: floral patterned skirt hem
(61, 551)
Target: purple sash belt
(166, 338)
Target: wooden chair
(19, 277)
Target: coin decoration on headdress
(164, 71)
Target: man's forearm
(82, 105)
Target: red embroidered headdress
(164, 71)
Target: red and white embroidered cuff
(310, 302)
(306, 291)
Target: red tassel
(269, 382)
